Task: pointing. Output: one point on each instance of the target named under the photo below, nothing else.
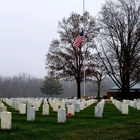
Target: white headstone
(45, 101)
(45, 109)
(22, 108)
(61, 115)
(119, 105)
(29, 104)
(30, 114)
(62, 104)
(77, 107)
(13, 104)
(138, 105)
(36, 105)
(135, 104)
(55, 106)
(6, 120)
(70, 109)
(2, 108)
(98, 110)
(17, 106)
(124, 108)
(81, 105)
(131, 103)
(1, 104)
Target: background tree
(51, 86)
(120, 42)
(23, 85)
(63, 58)
(96, 71)
(104, 87)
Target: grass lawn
(83, 126)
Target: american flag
(78, 40)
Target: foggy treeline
(91, 88)
(25, 85)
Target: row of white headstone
(99, 108)
(124, 105)
(77, 104)
(121, 106)
(19, 104)
(71, 105)
(33, 105)
(133, 103)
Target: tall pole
(84, 45)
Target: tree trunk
(78, 89)
(123, 92)
(98, 91)
(128, 87)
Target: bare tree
(96, 71)
(6, 86)
(63, 58)
(120, 42)
(23, 85)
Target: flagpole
(84, 45)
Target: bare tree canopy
(63, 58)
(96, 71)
(120, 42)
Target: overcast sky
(27, 28)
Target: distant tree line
(23, 85)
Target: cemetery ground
(82, 126)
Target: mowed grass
(83, 126)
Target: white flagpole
(84, 45)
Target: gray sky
(27, 28)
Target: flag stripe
(78, 40)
